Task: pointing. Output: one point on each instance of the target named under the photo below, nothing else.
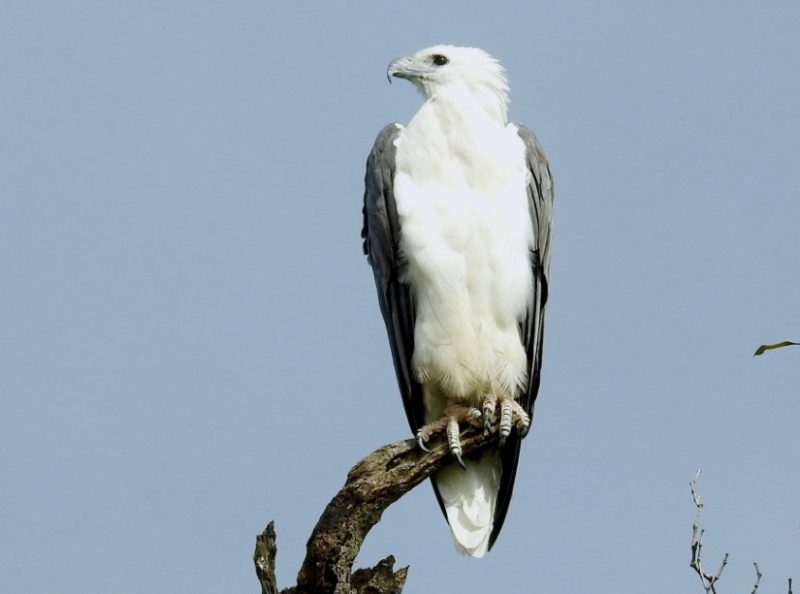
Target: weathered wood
(264, 559)
(372, 485)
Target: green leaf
(768, 347)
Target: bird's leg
(454, 441)
(487, 412)
(449, 422)
(425, 432)
(511, 415)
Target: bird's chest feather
(465, 240)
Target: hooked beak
(404, 68)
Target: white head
(449, 72)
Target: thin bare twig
(708, 580)
(758, 578)
(695, 495)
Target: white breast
(466, 236)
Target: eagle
(457, 220)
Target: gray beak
(404, 68)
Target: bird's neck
(473, 119)
(474, 103)
(455, 131)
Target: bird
(457, 225)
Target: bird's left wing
(540, 205)
(381, 234)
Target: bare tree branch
(264, 559)
(708, 580)
(758, 578)
(372, 485)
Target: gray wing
(381, 233)
(540, 202)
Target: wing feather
(540, 201)
(381, 233)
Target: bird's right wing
(381, 235)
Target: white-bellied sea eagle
(457, 216)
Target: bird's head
(450, 71)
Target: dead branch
(758, 578)
(264, 559)
(708, 580)
(372, 485)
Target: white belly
(466, 241)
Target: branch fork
(372, 485)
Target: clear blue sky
(190, 343)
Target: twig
(372, 485)
(708, 580)
(695, 495)
(790, 585)
(758, 578)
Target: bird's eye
(439, 59)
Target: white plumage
(466, 235)
(460, 188)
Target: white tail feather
(469, 499)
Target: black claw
(525, 431)
(421, 444)
(503, 440)
(486, 419)
(460, 461)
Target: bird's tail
(469, 498)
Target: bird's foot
(449, 422)
(511, 415)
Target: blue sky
(190, 343)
